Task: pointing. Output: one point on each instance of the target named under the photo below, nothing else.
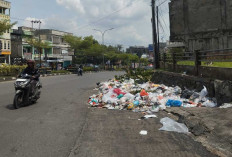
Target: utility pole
(39, 45)
(155, 45)
(158, 43)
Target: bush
(11, 70)
(60, 71)
(88, 69)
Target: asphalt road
(62, 125)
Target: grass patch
(214, 64)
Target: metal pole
(158, 44)
(39, 47)
(103, 33)
(156, 59)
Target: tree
(119, 47)
(5, 25)
(38, 44)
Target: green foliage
(88, 68)
(214, 64)
(88, 50)
(139, 75)
(60, 71)
(5, 25)
(38, 44)
(11, 70)
(144, 61)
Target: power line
(104, 17)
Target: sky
(131, 19)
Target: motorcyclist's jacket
(33, 72)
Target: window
(8, 45)
(4, 45)
(0, 44)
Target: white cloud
(130, 18)
(72, 4)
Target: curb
(200, 131)
(4, 79)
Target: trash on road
(149, 116)
(226, 105)
(143, 132)
(171, 125)
(126, 94)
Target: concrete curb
(4, 79)
(201, 132)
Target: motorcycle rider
(34, 72)
(80, 70)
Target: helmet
(31, 62)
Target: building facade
(201, 25)
(137, 50)
(58, 53)
(5, 40)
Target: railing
(197, 60)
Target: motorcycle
(24, 94)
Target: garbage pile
(146, 97)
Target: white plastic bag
(209, 104)
(129, 96)
(203, 93)
(171, 125)
(226, 105)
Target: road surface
(62, 125)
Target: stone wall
(221, 90)
(201, 25)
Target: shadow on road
(10, 107)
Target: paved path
(62, 125)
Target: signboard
(64, 52)
(27, 56)
(150, 47)
(5, 53)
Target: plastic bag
(129, 96)
(203, 93)
(171, 125)
(226, 105)
(173, 103)
(143, 93)
(209, 104)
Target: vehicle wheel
(18, 101)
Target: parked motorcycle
(24, 94)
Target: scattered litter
(143, 132)
(171, 125)
(147, 97)
(226, 105)
(149, 116)
(209, 103)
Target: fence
(200, 63)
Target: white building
(5, 39)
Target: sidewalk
(210, 126)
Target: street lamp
(38, 22)
(103, 33)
